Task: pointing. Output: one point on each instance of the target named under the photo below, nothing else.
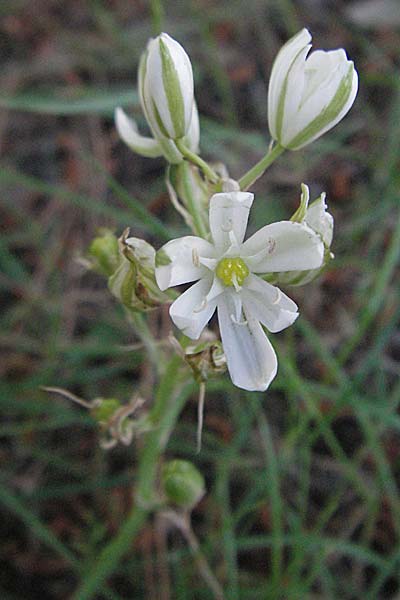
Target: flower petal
(281, 66)
(192, 137)
(318, 218)
(178, 261)
(229, 213)
(268, 304)
(283, 246)
(192, 311)
(250, 356)
(128, 132)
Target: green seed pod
(183, 484)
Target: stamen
(271, 245)
(237, 322)
(195, 257)
(228, 226)
(210, 263)
(233, 238)
(201, 306)
(278, 296)
(235, 282)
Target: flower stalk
(247, 180)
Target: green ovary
(232, 271)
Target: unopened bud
(103, 253)
(183, 484)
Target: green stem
(255, 172)
(141, 327)
(164, 414)
(196, 160)
(199, 226)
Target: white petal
(318, 218)
(193, 135)
(324, 72)
(280, 69)
(295, 83)
(128, 132)
(192, 311)
(229, 213)
(268, 304)
(283, 246)
(251, 359)
(184, 265)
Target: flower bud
(166, 87)
(133, 283)
(165, 84)
(183, 484)
(319, 220)
(308, 96)
(103, 253)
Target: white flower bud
(308, 96)
(166, 87)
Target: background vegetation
(302, 481)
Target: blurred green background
(302, 481)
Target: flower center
(232, 271)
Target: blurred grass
(303, 481)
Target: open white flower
(228, 271)
(308, 96)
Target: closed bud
(103, 253)
(133, 283)
(308, 96)
(166, 87)
(183, 484)
(165, 84)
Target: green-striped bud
(166, 87)
(183, 484)
(308, 96)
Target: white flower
(308, 96)
(165, 83)
(228, 271)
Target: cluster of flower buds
(307, 96)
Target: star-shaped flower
(228, 271)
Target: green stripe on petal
(328, 114)
(172, 90)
